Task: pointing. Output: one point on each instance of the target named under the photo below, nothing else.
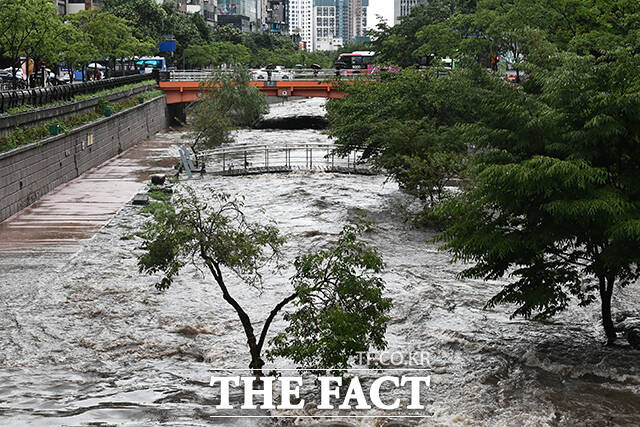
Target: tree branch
(272, 315)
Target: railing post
(245, 159)
(224, 163)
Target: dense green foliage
(340, 307)
(31, 29)
(229, 101)
(152, 21)
(408, 124)
(331, 286)
(551, 177)
(231, 46)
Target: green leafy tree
(147, 17)
(229, 101)
(111, 36)
(506, 24)
(559, 210)
(28, 28)
(199, 55)
(77, 49)
(81, 49)
(216, 233)
(409, 124)
(269, 41)
(340, 308)
(231, 54)
(401, 44)
(228, 33)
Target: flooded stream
(87, 340)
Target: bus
(359, 62)
(149, 63)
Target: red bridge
(184, 86)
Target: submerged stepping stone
(140, 199)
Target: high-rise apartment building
(337, 22)
(301, 21)
(328, 34)
(357, 18)
(403, 8)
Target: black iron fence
(41, 96)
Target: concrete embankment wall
(31, 171)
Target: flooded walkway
(73, 212)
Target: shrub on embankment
(27, 135)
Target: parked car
(7, 81)
(277, 73)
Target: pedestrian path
(73, 212)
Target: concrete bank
(31, 171)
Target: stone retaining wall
(31, 171)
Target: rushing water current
(87, 340)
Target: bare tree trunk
(256, 361)
(255, 347)
(606, 292)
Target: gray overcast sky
(379, 7)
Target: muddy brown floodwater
(87, 340)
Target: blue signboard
(167, 46)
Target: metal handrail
(41, 96)
(297, 74)
(281, 158)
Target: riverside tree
(336, 290)
(551, 198)
(30, 29)
(407, 124)
(560, 210)
(229, 102)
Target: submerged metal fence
(250, 159)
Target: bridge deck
(184, 85)
(189, 91)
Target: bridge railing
(296, 74)
(247, 159)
